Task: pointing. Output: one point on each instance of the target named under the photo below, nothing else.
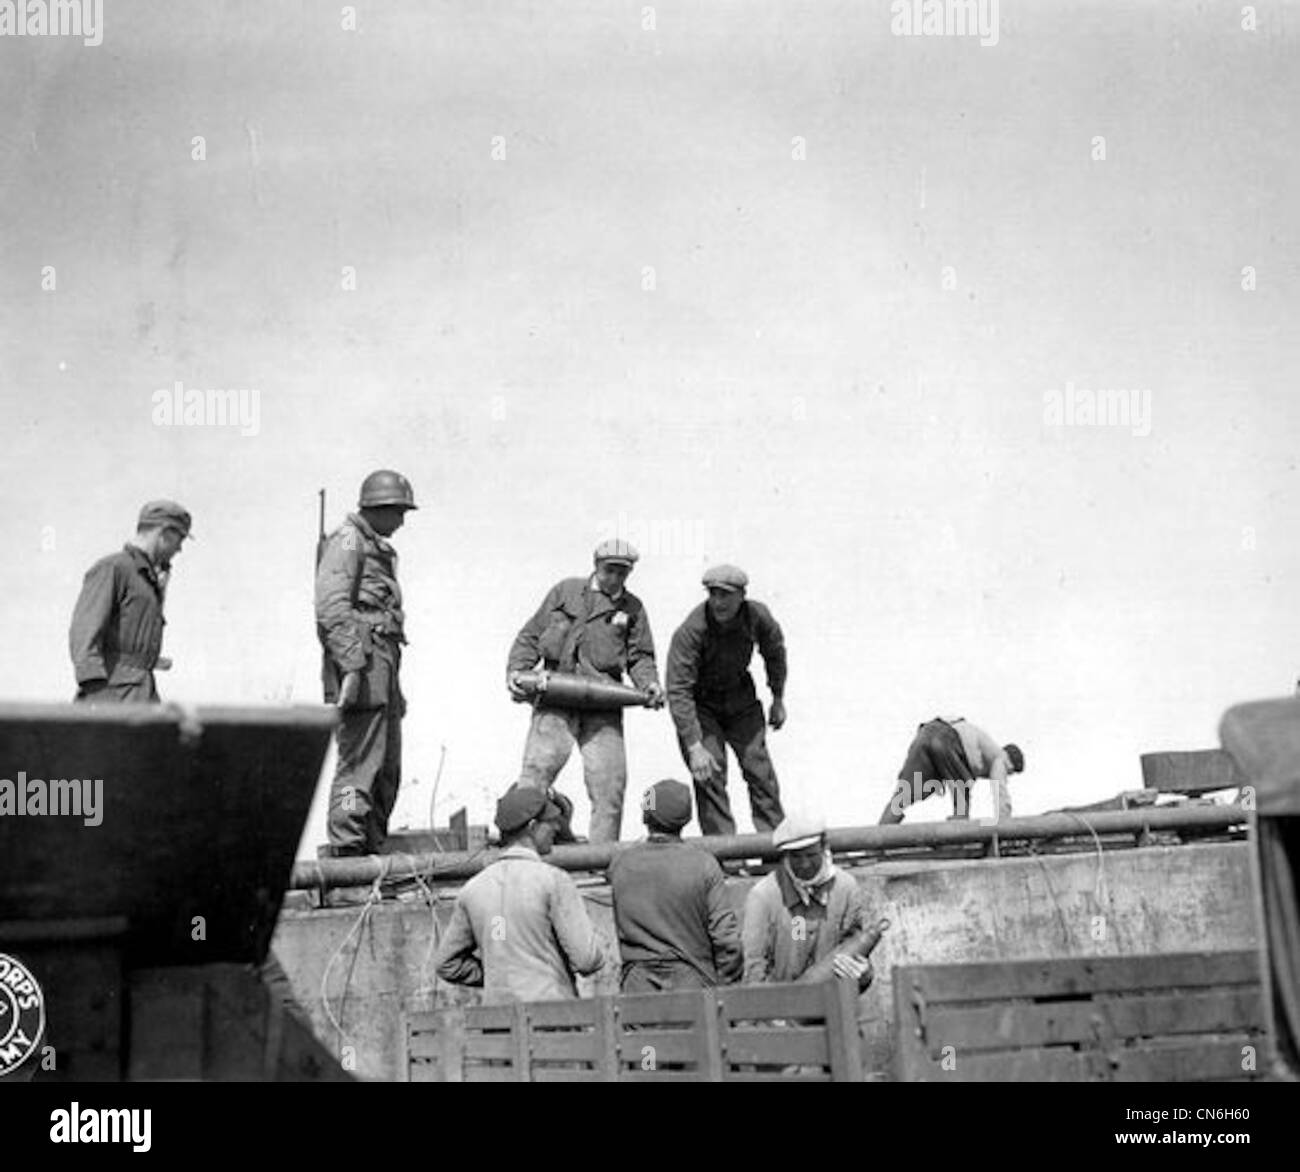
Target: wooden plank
(639, 1075)
(664, 1046)
(496, 1046)
(545, 1074)
(1193, 1062)
(569, 1047)
(794, 1076)
(453, 1046)
(842, 1040)
(1021, 1024)
(911, 1063)
(544, 1014)
(490, 1074)
(421, 1071)
(607, 1030)
(489, 1017)
(998, 980)
(766, 1046)
(519, 1033)
(424, 1045)
(1197, 772)
(425, 1021)
(756, 1002)
(688, 1007)
(1059, 1065)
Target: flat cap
(726, 577)
(615, 549)
(667, 803)
(167, 513)
(798, 831)
(520, 805)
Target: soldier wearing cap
(359, 621)
(804, 910)
(713, 702)
(589, 626)
(676, 927)
(519, 929)
(117, 625)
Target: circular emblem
(22, 1014)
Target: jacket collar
(593, 587)
(144, 565)
(518, 851)
(368, 533)
(790, 894)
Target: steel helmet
(386, 488)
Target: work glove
(853, 968)
(701, 762)
(350, 690)
(656, 695)
(776, 714)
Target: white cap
(798, 831)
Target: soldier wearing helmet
(589, 626)
(713, 702)
(359, 622)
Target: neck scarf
(810, 889)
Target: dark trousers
(936, 763)
(661, 976)
(745, 730)
(368, 777)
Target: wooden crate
(1198, 772)
(734, 1033)
(1180, 1017)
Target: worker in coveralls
(117, 625)
(713, 702)
(676, 927)
(948, 754)
(591, 627)
(359, 621)
(804, 910)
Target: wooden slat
(544, 1074)
(1021, 1024)
(421, 1071)
(542, 1014)
(1193, 1062)
(759, 1076)
(787, 1046)
(574, 1047)
(424, 1045)
(668, 1045)
(1060, 1065)
(489, 1046)
(749, 1002)
(491, 1074)
(842, 1037)
(639, 1075)
(489, 1017)
(999, 980)
(425, 1021)
(689, 1007)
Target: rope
(375, 897)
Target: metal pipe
(553, 689)
(460, 865)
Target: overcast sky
(761, 283)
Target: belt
(130, 659)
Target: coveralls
(676, 927)
(580, 629)
(359, 622)
(117, 628)
(712, 700)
